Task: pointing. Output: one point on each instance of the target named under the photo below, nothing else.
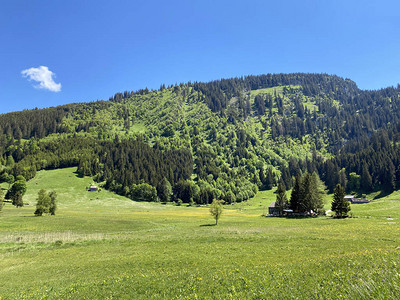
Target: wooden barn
(273, 210)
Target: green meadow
(102, 246)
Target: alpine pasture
(101, 246)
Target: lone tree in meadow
(340, 205)
(46, 203)
(216, 209)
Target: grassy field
(102, 246)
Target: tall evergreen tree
(286, 178)
(339, 204)
(269, 179)
(389, 177)
(262, 177)
(317, 193)
(295, 201)
(366, 179)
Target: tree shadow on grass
(381, 195)
(77, 174)
(207, 225)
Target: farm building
(349, 198)
(273, 210)
(93, 188)
(360, 201)
(355, 200)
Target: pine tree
(261, 175)
(340, 205)
(389, 177)
(332, 175)
(317, 193)
(269, 179)
(295, 202)
(286, 178)
(366, 179)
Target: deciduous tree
(216, 209)
(281, 199)
(17, 191)
(43, 203)
(164, 190)
(53, 204)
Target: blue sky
(80, 51)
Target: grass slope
(100, 245)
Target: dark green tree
(286, 178)
(313, 192)
(3, 176)
(10, 161)
(339, 205)
(389, 177)
(10, 180)
(366, 179)
(17, 199)
(353, 184)
(262, 177)
(269, 179)
(164, 190)
(295, 200)
(53, 203)
(143, 192)
(17, 191)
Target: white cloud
(44, 77)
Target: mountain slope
(241, 134)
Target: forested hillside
(223, 139)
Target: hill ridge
(242, 134)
